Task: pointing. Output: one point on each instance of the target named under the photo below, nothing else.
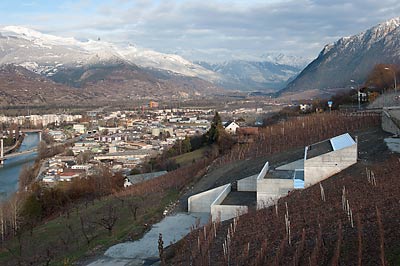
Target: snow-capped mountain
(286, 60)
(46, 54)
(268, 75)
(67, 60)
(350, 58)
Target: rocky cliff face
(350, 58)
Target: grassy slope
(188, 158)
(62, 240)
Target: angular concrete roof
(342, 141)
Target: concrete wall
(226, 212)
(388, 121)
(264, 171)
(202, 202)
(247, 184)
(222, 195)
(321, 167)
(271, 189)
(299, 164)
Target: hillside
(96, 85)
(19, 86)
(321, 231)
(349, 58)
(121, 82)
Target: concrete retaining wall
(388, 121)
(299, 164)
(226, 212)
(202, 202)
(224, 193)
(247, 184)
(321, 167)
(270, 189)
(264, 171)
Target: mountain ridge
(252, 75)
(350, 58)
(47, 54)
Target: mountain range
(38, 65)
(349, 58)
(267, 76)
(94, 66)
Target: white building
(321, 160)
(85, 167)
(231, 127)
(79, 128)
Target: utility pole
(358, 93)
(2, 152)
(394, 77)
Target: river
(9, 173)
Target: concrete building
(326, 158)
(85, 167)
(135, 179)
(211, 201)
(79, 128)
(321, 160)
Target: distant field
(187, 158)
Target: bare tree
(108, 220)
(88, 230)
(25, 177)
(15, 205)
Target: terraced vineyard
(349, 219)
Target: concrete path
(393, 144)
(145, 250)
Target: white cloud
(201, 29)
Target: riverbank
(16, 146)
(12, 168)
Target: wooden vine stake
(322, 192)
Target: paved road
(145, 250)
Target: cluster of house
(39, 120)
(126, 143)
(64, 169)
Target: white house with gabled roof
(231, 127)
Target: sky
(205, 30)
